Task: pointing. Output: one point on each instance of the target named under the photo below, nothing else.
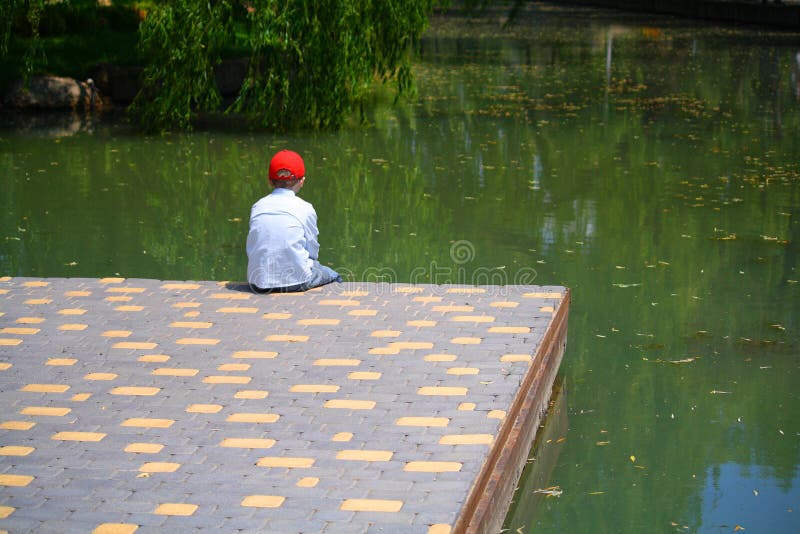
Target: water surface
(650, 164)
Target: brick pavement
(142, 405)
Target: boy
(282, 246)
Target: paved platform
(150, 406)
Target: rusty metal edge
(490, 497)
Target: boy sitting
(282, 246)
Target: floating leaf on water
(552, 491)
(717, 392)
(596, 492)
(738, 528)
(633, 458)
(602, 443)
(626, 285)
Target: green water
(650, 164)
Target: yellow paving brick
(421, 323)
(174, 371)
(129, 308)
(263, 501)
(277, 315)
(289, 462)
(467, 406)
(79, 436)
(255, 354)
(408, 289)
(159, 467)
(411, 345)
(5, 366)
(125, 290)
(248, 443)
(384, 350)
(16, 481)
(61, 361)
(253, 418)
(144, 448)
(234, 367)
(340, 362)
(100, 376)
(117, 333)
(472, 318)
(386, 333)
(463, 371)
(318, 322)
(47, 411)
(516, 358)
(147, 422)
(546, 309)
(314, 388)
(307, 482)
(19, 330)
(116, 528)
(466, 340)
(111, 280)
(342, 436)
(197, 341)
(30, 320)
(146, 345)
(365, 455)
(45, 388)
(36, 283)
(354, 293)
(371, 505)
(453, 308)
(179, 509)
(509, 329)
(15, 450)
(291, 338)
(542, 295)
(350, 404)
(9, 342)
(235, 309)
(428, 299)
(180, 285)
(143, 391)
(118, 298)
(204, 408)
(364, 375)
(440, 357)
(466, 290)
(339, 302)
(77, 293)
(191, 324)
(440, 528)
(80, 397)
(153, 358)
(466, 439)
(504, 304)
(442, 390)
(17, 425)
(227, 379)
(231, 296)
(38, 302)
(496, 414)
(191, 314)
(423, 421)
(433, 467)
(253, 394)
(73, 327)
(6, 511)
(363, 313)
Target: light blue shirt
(282, 243)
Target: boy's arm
(312, 235)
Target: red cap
(286, 160)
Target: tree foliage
(309, 63)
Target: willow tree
(309, 64)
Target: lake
(651, 164)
